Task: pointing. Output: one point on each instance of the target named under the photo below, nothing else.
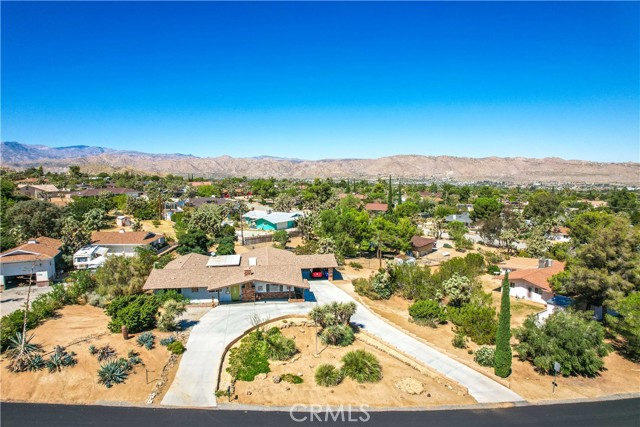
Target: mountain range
(517, 170)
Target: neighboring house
(533, 283)
(557, 303)
(199, 183)
(94, 192)
(463, 217)
(267, 220)
(90, 257)
(421, 246)
(37, 257)
(42, 191)
(199, 201)
(171, 207)
(376, 208)
(264, 273)
(357, 196)
(125, 242)
(560, 234)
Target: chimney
(33, 242)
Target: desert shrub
(382, 284)
(134, 358)
(485, 356)
(328, 375)
(170, 294)
(493, 269)
(156, 223)
(80, 283)
(113, 372)
(168, 340)
(447, 245)
(96, 300)
(477, 322)
(569, 338)
(627, 325)
(428, 312)
(11, 324)
(103, 353)
(364, 288)
(341, 335)
(459, 340)
(361, 366)
(279, 347)
(146, 339)
(293, 379)
(415, 282)
(176, 347)
(355, 265)
(249, 359)
(60, 359)
(136, 312)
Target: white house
(560, 234)
(533, 283)
(36, 258)
(90, 256)
(125, 242)
(557, 303)
(267, 220)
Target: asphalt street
(618, 413)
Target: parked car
(317, 273)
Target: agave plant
(134, 358)
(146, 339)
(21, 351)
(105, 352)
(36, 363)
(92, 349)
(60, 358)
(113, 372)
(168, 340)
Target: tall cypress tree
(399, 193)
(348, 186)
(390, 201)
(503, 334)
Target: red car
(317, 273)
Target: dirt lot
(77, 327)
(437, 390)
(165, 227)
(621, 375)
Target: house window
(194, 289)
(538, 291)
(274, 288)
(260, 288)
(512, 285)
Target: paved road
(15, 298)
(197, 376)
(618, 413)
(483, 389)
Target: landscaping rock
(277, 379)
(409, 385)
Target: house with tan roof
(260, 274)
(533, 283)
(376, 208)
(108, 243)
(39, 191)
(421, 246)
(35, 259)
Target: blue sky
(326, 80)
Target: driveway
(15, 298)
(197, 377)
(482, 388)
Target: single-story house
(95, 192)
(421, 246)
(125, 242)
(37, 257)
(557, 303)
(376, 207)
(264, 273)
(560, 234)
(42, 191)
(463, 217)
(267, 220)
(199, 201)
(533, 283)
(89, 257)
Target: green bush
(249, 359)
(361, 366)
(485, 356)
(328, 375)
(448, 246)
(459, 340)
(170, 294)
(176, 347)
(168, 340)
(156, 223)
(293, 379)
(146, 339)
(428, 312)
(493, 269)
(12, 324)
(355, 265)
(572, 339)
(136, 312)
(341, 335)
(475, 321)
(279, 347)
(363, 287)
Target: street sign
(556, 367)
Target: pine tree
(503, 334)
(399, 194)
(348, 187)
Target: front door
(235, 293)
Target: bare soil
(620, 376)
(77, 327)
(401, 378)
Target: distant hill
(460, 169)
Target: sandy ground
(165, 227)
(620, 376)
(437, 390)
(77, 327)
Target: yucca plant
(92, 349)
(146, 339)
(328, 375)
(113, 372)
(361, 366)
(21, 351)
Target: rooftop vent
(33, 242)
